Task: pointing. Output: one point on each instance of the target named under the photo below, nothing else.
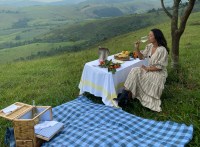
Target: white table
(99, 82)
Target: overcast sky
(33, 0)
(46, 0)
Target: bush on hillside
(108, 12)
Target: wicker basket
(24, 122)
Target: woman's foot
(115, 102)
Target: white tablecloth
(99, 82)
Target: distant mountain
(89, 8)
(61, 2)
(102, 8)
(19, 3)
(146, 3)
(37, 2)
(95, 8)
(67, 2)
(107, 1)
(73, 1)
(122, 6)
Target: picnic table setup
(108, 82)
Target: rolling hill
(23, 3)
(24, 44)
(126, 6)
(54, 80)
(40, 15)
(23, 26)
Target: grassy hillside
(125, 6)
(39, 15)
(22, 29)
(87, 33)
(25, 25)
(29, 51)
(54, 80)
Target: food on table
(123, 56)
(135, 54)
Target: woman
(146, 83)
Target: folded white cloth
(10, 108)
(118, 61)
(45, 124)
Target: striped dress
(148, 86)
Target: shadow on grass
(93, 98)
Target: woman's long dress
(148, 86)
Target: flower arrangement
(110, 65)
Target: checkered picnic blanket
(89, 124)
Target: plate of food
(123, 56)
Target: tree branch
(166, 11)
(186, 15)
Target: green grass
(54, 80)
(15, 53)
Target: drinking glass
(144, 39)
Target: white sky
(47, 0)
(34, 0)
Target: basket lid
(15, 110)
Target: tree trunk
(175, 51)
(176, 31)
(175, 36)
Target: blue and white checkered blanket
(89, 124)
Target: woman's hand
(150, 68)
(145, 68)
(137, 45)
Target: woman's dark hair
(160, 38)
